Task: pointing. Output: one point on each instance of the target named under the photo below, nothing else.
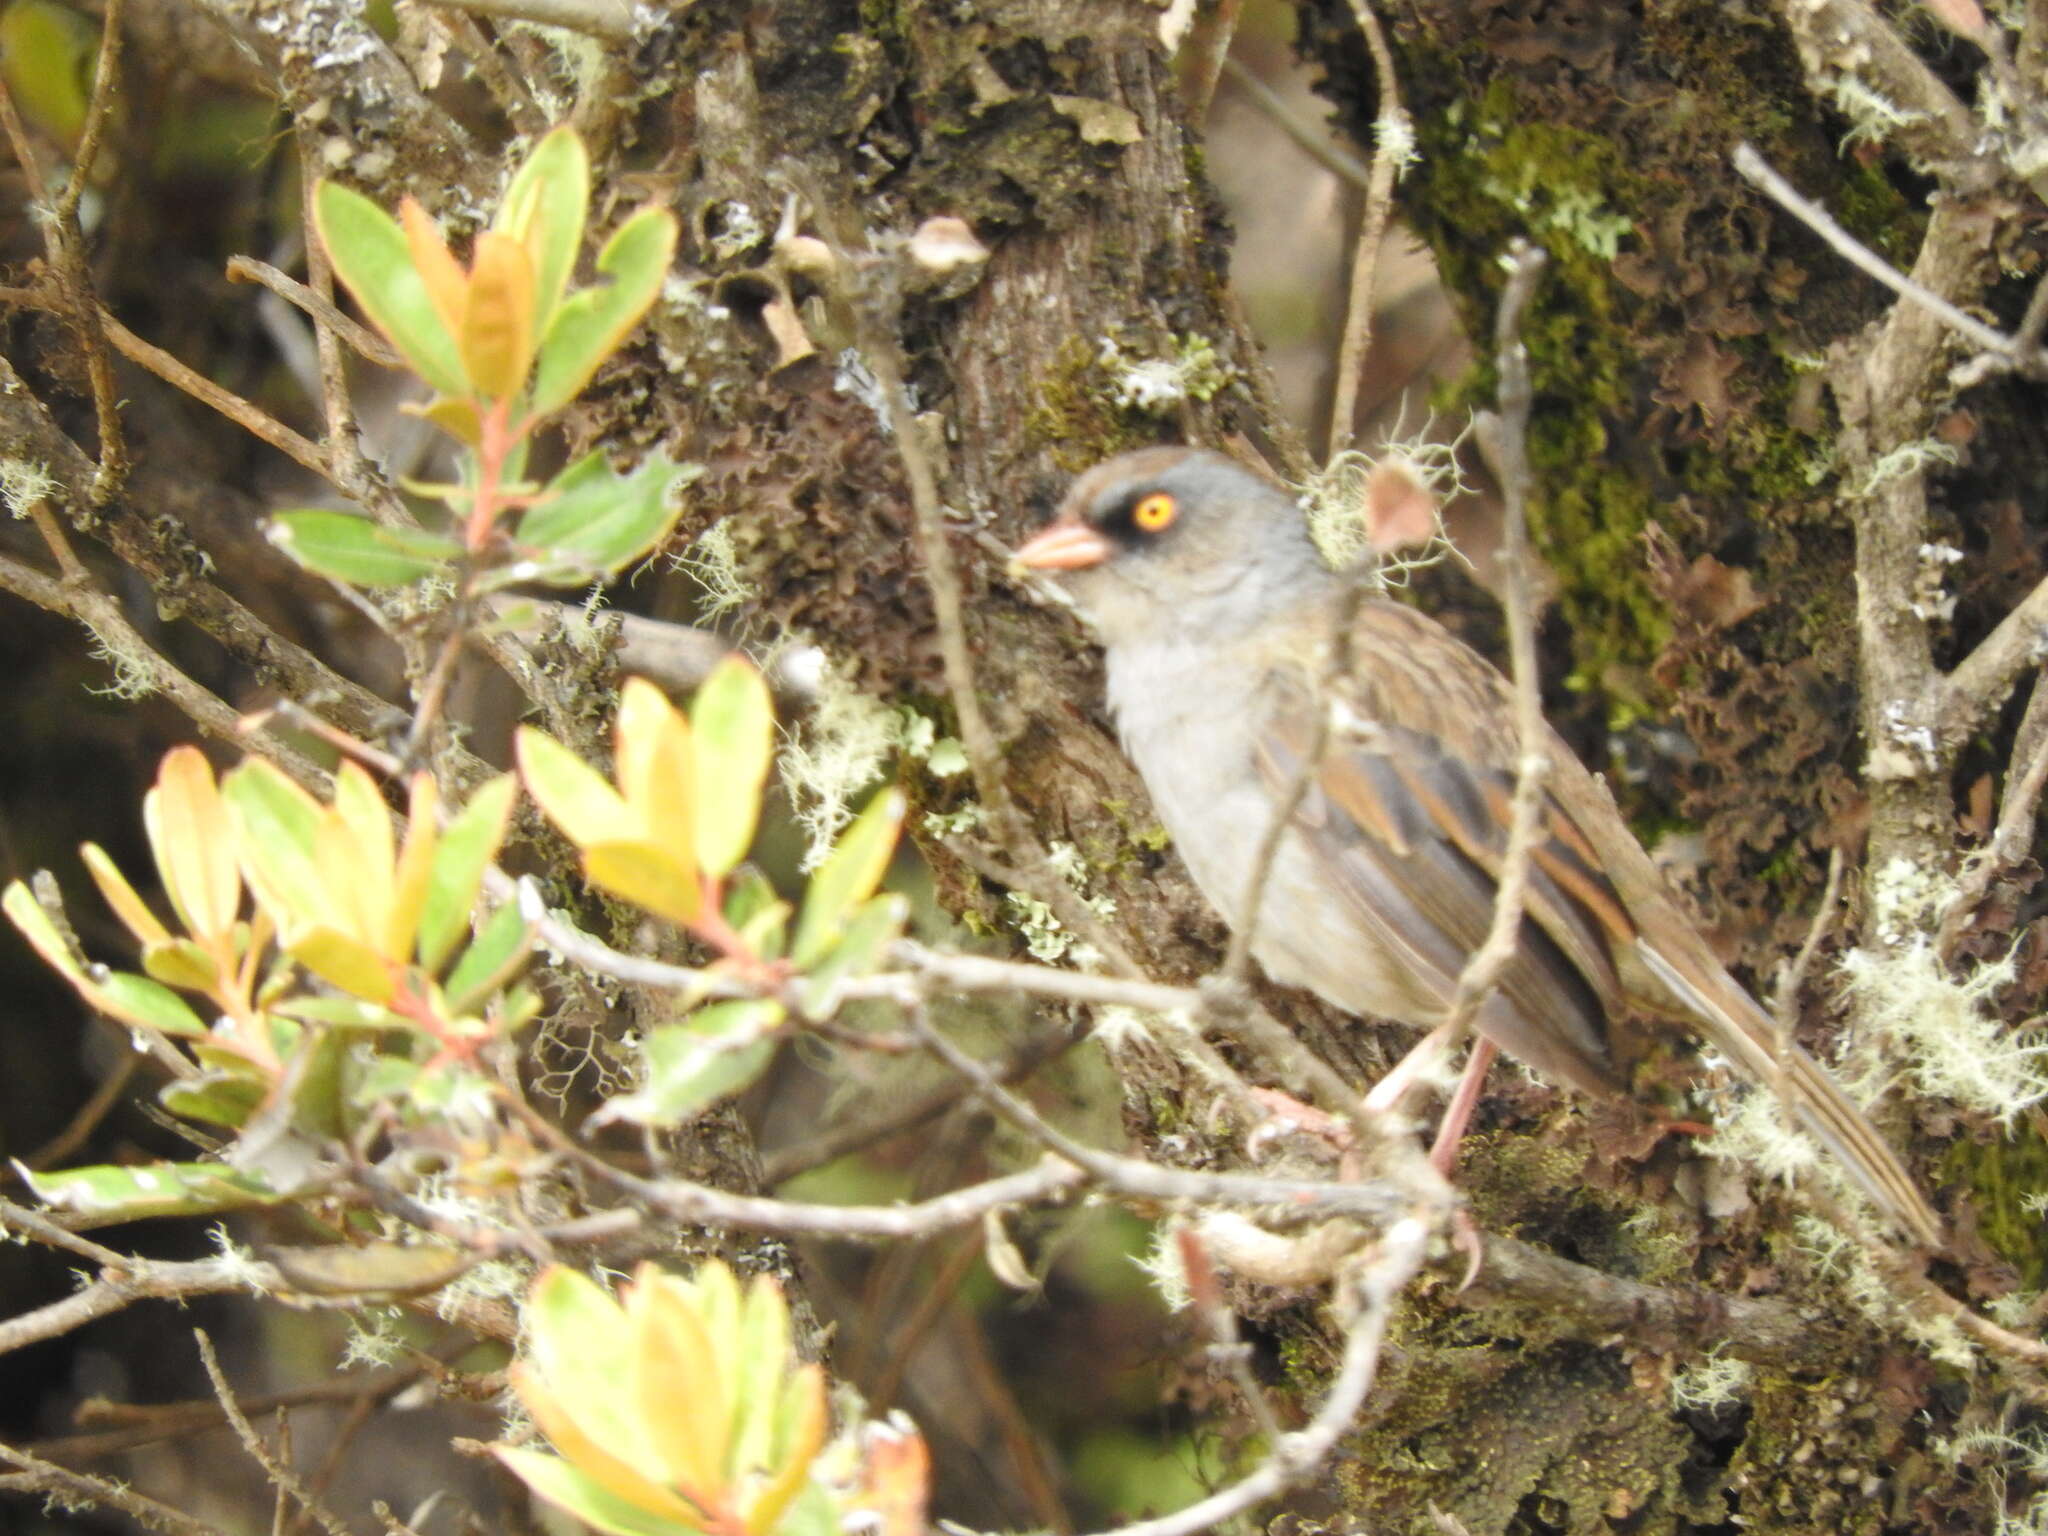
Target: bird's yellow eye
(1155, 512)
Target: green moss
(1076, 417)
(2003, 1175)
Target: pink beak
(1064, 546)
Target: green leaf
(468, 844)
(370, 253)
(181, 963)
(151, 1189)
(343, 547)
(591, 323)
(711, 1055)
(732, 734)
(543, 210)
(584, 1497)
(490, 962)
(848, 876)
(875, 925)
(594, 521)
(138, 1000)
(225, 1097)
(43, 935)
(342, 1013)
(276, 827)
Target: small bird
(1216, 615)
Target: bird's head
(1167, 540)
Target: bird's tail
(1746, 1035)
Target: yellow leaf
(361, 818)
(120, 895)
(446, 284)
(648, 877)
(807, 1420)
(574, 794)
(346, 961)
(656, 770)
(195, 851)
(497, 335)
(415, 866)
(587, 1455)
(676, 1385)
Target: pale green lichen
(711, 561)
(2003, 1453)
(24, 485)
(1941, 1023)
(1711, 1384)
(838, 754)
(1334, 500)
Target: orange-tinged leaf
(446, 283)
(120, 895)
(898, 1480)
(497, 335)
(587, 1455)
(195, 853)
(806, 1419)
(460, 419)
(415, 873)
(655, 767)
(676, 1385)
(648, 877)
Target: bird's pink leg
(1458, 1113)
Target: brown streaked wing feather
(1395, 836)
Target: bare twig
(1393, 141)
(2013, 836)
(143, 1280)
(1295, 1458)
(1504, 440)
(1308, 137)
(104, 619)
(1206, 54)
(1752, 167)
(318, 307)
(282, 1477)
(78, 1488)
(89, 1116)
(64, 241)
(1785, 1006)
(609, 20)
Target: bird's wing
(1409, 812)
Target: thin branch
(1393, 141)
(144, 1280)
(318, 308)
(1308, 137)
(283, 1477)
(1752, 167)
(139, 1424)
(79, 1488)
(2013, 837)
(1785, 1006)
(1504, 440)
(99, 112)
(1296, 1458)
(1207, 54)
(103, 618)
(608, 20)
(64, 242)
